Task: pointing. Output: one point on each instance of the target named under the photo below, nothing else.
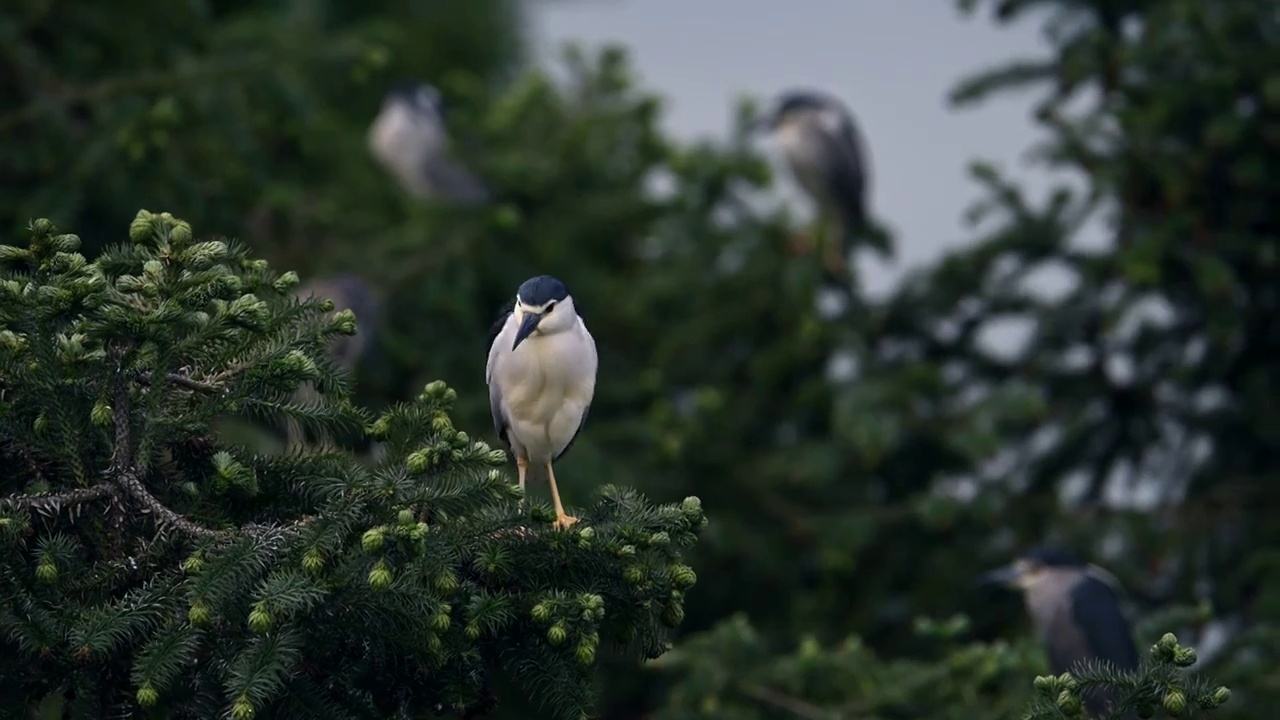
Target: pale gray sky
(891, 61)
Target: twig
(126, 474)
(184, 381)
(62, 499)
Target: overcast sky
(891, 61)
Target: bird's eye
(550, 307)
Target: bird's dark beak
(527, 326)
(1000, 576)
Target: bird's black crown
(409, 91)
(541, 290)
(1052, 556)
(803, 100)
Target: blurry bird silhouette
(348, 292)
(824, 152)
(410, 140)
(1076, 613)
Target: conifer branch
(125, 472)
(69, 498)
(184, 381)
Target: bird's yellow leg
(562, 520)
(522, 468)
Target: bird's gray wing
(847, 174)
(454, 182)
(500, 424)
(1097, 613)
(586, 410)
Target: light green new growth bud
(418, 462)
(659, 538)
(1069, 704)
(1175, 703)
(1220, 696)
(585, 654)
(683, 576)
(446, 581)
(633, 574)
(180, 233)
(380, 577)
(140, 227)
(440, 622)
(66, 243)
(100, 416)
(691, 506)
(344, 322)
(1185, 657)
(1046, 684)
(405, 517)
(440, 421)
(193, 564)
(541, 612)
(312, 561)
(557, 634)
(372, 540)
(672, 615)
(47, 572)
(147, 696)
(42, 226)
(9, 253)
(259, 620)
(199, 614)
(242, 710)
(286, 282)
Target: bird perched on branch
(824, 151)
(1076, 612)
(541, 374)
(410, 140)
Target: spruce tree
(147, 563)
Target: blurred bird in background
(541, 374)
(348, 292)
(410, 140)
(824, 152)
(1076, 611)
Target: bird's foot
(564, 521)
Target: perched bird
(824, 151)
(348, 292)
(1076, 612)
(410, 140)
(542, 376)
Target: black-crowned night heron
(348, 292)
(824, 151)
(410, 140)
(1076, 612)
(541, 375)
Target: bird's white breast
(547, 384)
(804, 153)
